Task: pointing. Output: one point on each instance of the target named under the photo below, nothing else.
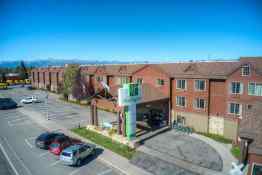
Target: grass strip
(216, 137)
(106, 142)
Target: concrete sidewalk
(222, 149)
(118, 162)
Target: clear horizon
(131, 30)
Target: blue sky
(151, 30)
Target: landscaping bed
(106, 142)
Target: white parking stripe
(17, 157)
(28, 143)
(31, 138)
(56, 162)
(43, 154)
(18, 119)
(75, 171)
(105, 172)
(8, 159)
(19, 123)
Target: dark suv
(7, 103)
(45, 139)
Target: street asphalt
(18, 133)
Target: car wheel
(78, 163)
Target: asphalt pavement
(18, 133)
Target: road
(18, 132)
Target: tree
(78, 90)
(81, 88)
(3, 77)
(22, 70)
(69, 79)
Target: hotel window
(160, 82)
(236, 88)
(139, 81)
(181, 101)
(234, 108)
(181, 84)
(124, 80)
(99, 78)
(255, 89)
(200, 85)
(245, 70)
(199, 103)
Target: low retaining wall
(106, 105)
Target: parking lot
(19, 131)
(68, 115)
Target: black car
(45, 139)
(7, 103)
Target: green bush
(235, 150)
(106, 142)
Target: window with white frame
(199, 103)
(255, 89)
(99, 78)
(181, 101)
(200, 85)
(245, 70)
(124, 80)
(236, 88)
(234, 108)
(160, 82)
(181, 84)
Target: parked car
(29, 87)
(32, 99)
(7, 103)
(75, 154)
(60, 143)
(45, 139)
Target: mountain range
(57, 62)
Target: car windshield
(54, 145)
(28, 98)
(66, 154)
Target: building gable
(151, 70)
(100, 70)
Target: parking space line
(43, 154)
(75, 171)
(17, 157)
(8, 159)
(28, 143)
(11, 117)
(105, 172)
(56, 162)
(18, 119)
(27, 122)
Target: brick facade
(214, 117)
